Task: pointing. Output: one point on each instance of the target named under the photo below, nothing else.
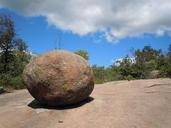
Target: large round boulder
(59, 78)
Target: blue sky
(40, 35)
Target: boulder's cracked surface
(59, 78)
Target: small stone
(60, 121)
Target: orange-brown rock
(59, 78)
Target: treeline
(13, 55)
(147, 63)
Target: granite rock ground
(121, 104)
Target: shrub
(99, 81)
(6, 80)
(129, 77)
(17, 82)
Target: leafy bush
(6, 80)
(17, 82)
(98, 81)
(165, 70)
(129, 77)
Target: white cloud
(115, 19)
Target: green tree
(165, 68)
(83, 53)
(7, 43)
(111, 73)
(126, 69)
(13, 55)
(147, 61)
(169, 52)
(99, 74)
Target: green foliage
(83, 53)
(169, 52)
(17, 82)
(102, 74)
(7, 34)
(125, 68)
(13, 55)
(129, 77)
(7, 80)
(111, 73)
(99, 74)
(149, 63)
(165, 69)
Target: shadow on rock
(37, 105)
